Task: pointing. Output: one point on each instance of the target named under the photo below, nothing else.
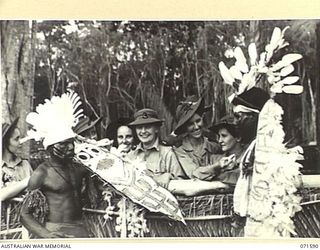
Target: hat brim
(187, 117)
(145, 121)
(224, 122)
(7, 127)
(254, 98)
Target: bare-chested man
(60, 180)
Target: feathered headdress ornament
(54, 119)
(268, 198)
(243, 78)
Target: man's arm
(26, 217)
(90, 191)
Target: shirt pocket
(157, 166)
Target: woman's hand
(163, 179)
(228, 163)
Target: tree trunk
(254, 27)
(17, 73)
(317, 79)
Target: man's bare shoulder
(80, 168)
(38, 176)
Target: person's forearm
(33, 226)
(215, 168)
(208, 172)
(195, 187)
(163, 179)
(13, 189)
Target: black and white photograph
(160, 129)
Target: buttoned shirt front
(190, 159)
(159, 159)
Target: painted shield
(129, 178)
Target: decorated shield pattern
(129, 178)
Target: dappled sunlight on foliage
(122, 66)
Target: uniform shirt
(229, 175)
(191, 160)
(159, 159)
(15, 171)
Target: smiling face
(14, 141)
(125, 137)
(226, 140)
(194, 126)
(147, 134)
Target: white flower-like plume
(53, 120)
(242, 77)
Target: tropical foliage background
(121, 66)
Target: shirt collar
(186, 145)
(154, 146)
(210, 147)
(13, 164)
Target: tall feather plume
(277, 73)
(54, 119)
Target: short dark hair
(112, 130)
(7, 136)
(232, 129)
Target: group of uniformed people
(193, 157)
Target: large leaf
(289, 80)
(278, 65)
(293, 89)
(241, 62)
(276, 35)
(252, 50)
(227, 77)
(290, 58)
(235, 72)
(287, 70)
(276, 88)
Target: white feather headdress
(244, 77)
(54, 119)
